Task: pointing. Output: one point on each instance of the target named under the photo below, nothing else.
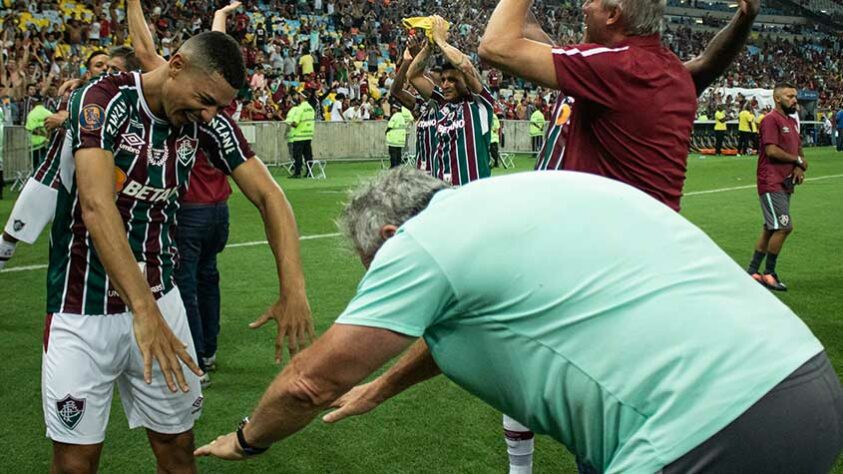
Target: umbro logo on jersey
(132, 143)
(785, 129)
(148, 193)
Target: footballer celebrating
(132, 142)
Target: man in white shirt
(352, 113)
(337, 108)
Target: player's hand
(798, 175)
(229, 8)
(357, 401)
(55, 121)
(750, 8)
(415, 43)
(295, 324)
(157, 342)
(224, 447)
(439, 30)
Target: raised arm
(341, 358)
(95, 181)
(455, 56)
(291, 312)
(415, 73)
(533, 30)
(221, 16)
(505, 46)
(397, 88)
(141, 37)
(724, 47)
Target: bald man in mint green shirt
(591, 313)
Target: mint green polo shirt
(586, 310)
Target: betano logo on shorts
(148, 193)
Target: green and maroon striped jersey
(463, 135)
(553, 149)
(428, 113)
(153, 161)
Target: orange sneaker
(771, 281)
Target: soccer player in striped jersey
(36, 204)
(425, 111)
(463, 130)
(131, 144)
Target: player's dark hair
(217, 52)
(92, 56)
(447, 66)
(128, 55)
(784, 85)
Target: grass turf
(434, 427)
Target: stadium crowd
(346, 51)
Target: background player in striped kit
(122, 145)
(36, 204)
(463, 131)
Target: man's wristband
(241, 439)
(800, 162)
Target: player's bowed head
(202, 77)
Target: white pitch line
(337, 234)
(751, 186)
(240, 244)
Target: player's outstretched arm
(96, 182)
(505, 46)
(724, 47)
(533, 30)
(454, 56)
(338, 360)
(141, 37)
(415, 73)
(221, 15)
(291, 312)
(416, 366)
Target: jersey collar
(144, 105)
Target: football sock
(755, 264)
(7, 249)
(519, 446)
(771, 262)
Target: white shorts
(84, 355)
(34, 209)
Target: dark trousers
(496, 155)
(201, 234)
(743, 141)
(840, 139)
(537, 143)
(719, 135)
(302, 151)
(394, 156)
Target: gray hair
(641, 17)
(391, 197)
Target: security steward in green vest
(396, 135)
(301, 119)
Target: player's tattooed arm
(415, 73)
(96, 183)
(291, 312)
(724, 47)
(341, 358)
(415, 367)
(141, 37)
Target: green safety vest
(307, 119)
(396, 133)
(292, 116)
(496, 128)
(537, 124)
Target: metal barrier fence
(703, 135)
(16, 161)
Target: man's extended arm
(221, 15)
(141, 37)
(416, 366)
(724, 47)
(533, 30)
(95, 181)
(455, 56)
(291, 312)
(342, 357)
(505, 46)
(415, 73)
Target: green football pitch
(436, 426)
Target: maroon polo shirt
(207, 185)
(633, 113)
(782, 131)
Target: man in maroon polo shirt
(634, 100)
(780, 168)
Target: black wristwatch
(247, 449)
